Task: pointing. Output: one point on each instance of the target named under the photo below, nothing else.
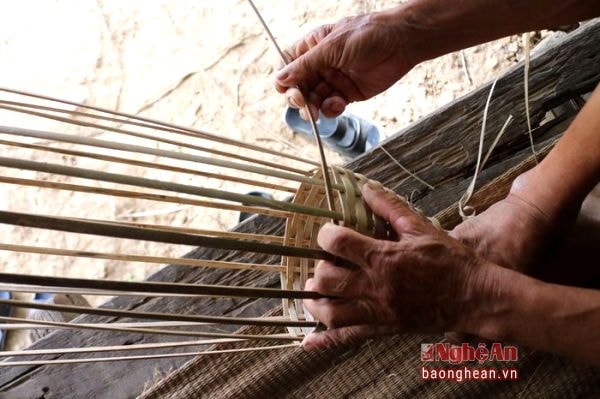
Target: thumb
(348, 244)
(305, 68)
(394, 209)
(344, 336)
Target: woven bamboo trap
(77, 139)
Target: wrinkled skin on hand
(512, 233)
(351, 60)
(424, 281)
(534, 239)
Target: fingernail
(309, 284)
(306, 344)
(327, 225)
(283, 75)
(293, 102)
(303, 114)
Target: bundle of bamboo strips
(144, 144)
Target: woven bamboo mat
(385, 368)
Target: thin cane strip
(305, 268)
(117, 348)
(144, 196)
(360, 217)
(464, 211)
(93, 142)
(30, 325)
(526, 67)
(286, 277)
(411, 174)
(144, 357)
(161, 260)
(163, 128)
(154, 287)
(163, 185)
(159, 125)
(298, 230)
(291, 279)
(324, 168)
(211, 233)
(181, 333)
(101, 229)
(344, 202)
(75, 291)
(154, 138)
(496, 140)
(157, 316)
(131, 133)
(313, 124)
(151, 165)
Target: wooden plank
(442, 148)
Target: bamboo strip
(154, 287)
(164, 185)
(74, 291)
(181, 333)
(145, 196)
(137, 324)
(211, 233)
(116, 348)
(89, 141)
(143, 357)
(313, 123)
(155, 138)
(164, 126)
(162, 260)
(31, 326)
(151, 165)
(102, 229)
(256, 321)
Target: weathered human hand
(511, 233)
(425, 281)
(521, 231)
(351, 60)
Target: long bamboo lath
(70, 159)
(110, 159)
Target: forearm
(571, 170)
(443, 26)
(541, 316)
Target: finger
(346, 336)
(343, 84)
(348, 244)
(313, 110)
(335, 313)
(303, 71)
(319, 93)
(280, 89)
(394, 209)
(336, 281)
(294, 98)
(308, 41)
(333, 106)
